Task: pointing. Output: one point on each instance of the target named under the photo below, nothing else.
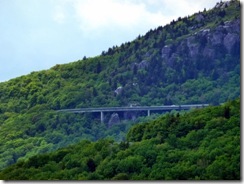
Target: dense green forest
(203, 144)
(194, 59)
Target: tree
(99, 67)
(135, 69)
(91, 165)
(227, 112)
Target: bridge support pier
(148, 112)
(102, 117)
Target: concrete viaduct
(133, 108)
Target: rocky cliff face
(205, 43)
(114, 119)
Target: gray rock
(222, 5)
(216, 38)
(190, 40)
(203, 43)
(143, 65)
(148, 54)
(114, 119)
(182, 47)
(232, 26)
(225, 4)
(220, 28)
(209, 53)
(166, 51)
(193, 49)
(118, 90)
(172, 59)
(230, 40)
(199, 17)
(203, 32)
(218, 5)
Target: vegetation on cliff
(194, 59)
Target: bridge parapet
(133, 108)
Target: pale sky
(38, 34)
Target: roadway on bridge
(134, 108)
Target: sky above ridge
(38, 34)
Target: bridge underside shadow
(134, 111)
(126, 115)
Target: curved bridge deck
(133, 108)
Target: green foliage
(30, 125)
(202, 144)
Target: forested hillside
(200, 145)
(194, 59)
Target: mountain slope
(200, 145)
(195, 59)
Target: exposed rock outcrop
(172, 59)
(216, 38)
(204, 43)
(114, 119)
(208, 53)
(118, 90)
(166, 51)
(142, 65)
(199, 17)
(230, 40)
(222, 5)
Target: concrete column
(148, 112)
(102, 117)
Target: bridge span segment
(133, 108)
